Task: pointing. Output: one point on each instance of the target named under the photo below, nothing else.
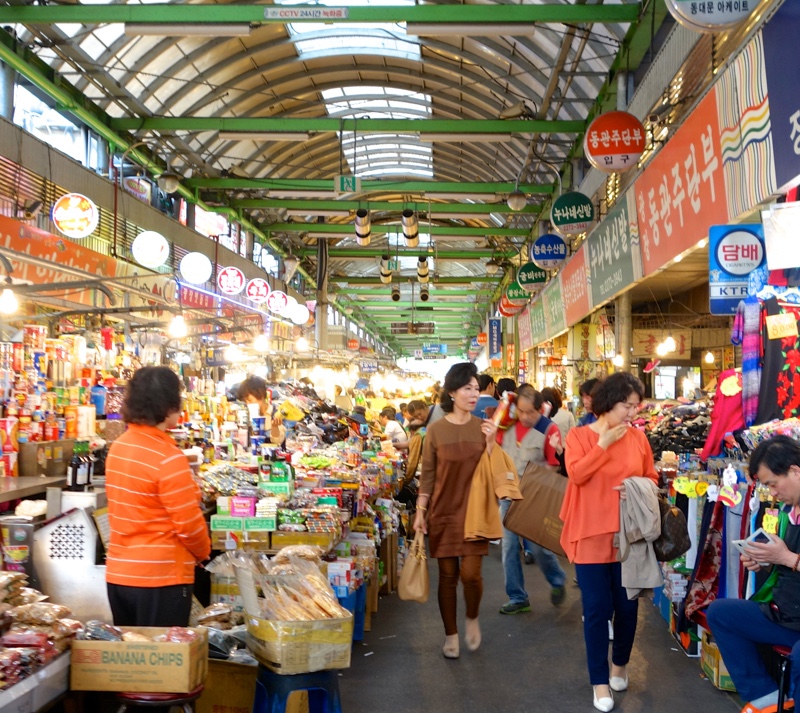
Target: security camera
(30, 209)
(660, 115)
(515, 111)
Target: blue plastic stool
(273, 689)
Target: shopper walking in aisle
(585, 391)
(533, 440)
(599, 458)
(158, 532)
(451, 453)
(486, 400)
(554, 410)
(738, 625)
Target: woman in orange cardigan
(599, 458)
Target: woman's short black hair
(778, 454)
(458, 376)
(505, 384)
(153, 393)
(253, 386)
(553, 396)
(587, 386)
(484, 380)
(389, 412)
(614, 390)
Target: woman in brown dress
(453, 447)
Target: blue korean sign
(434, 349)
(734, 251)
(495, 339)
(474, 346)
(549, 251)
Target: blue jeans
(602, 594)
(738, 626)
(512, 564)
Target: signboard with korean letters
(612, 252)
(575, 287)
(645, 342)
(734, 251)
(614, 141)
(549, 251)
(555, 315)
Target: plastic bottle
(99, 393)
(73, 468)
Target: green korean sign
(538, 324)
(531, 277)
(555, 315)
(572, 213)
(515, 293)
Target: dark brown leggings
(469, 570)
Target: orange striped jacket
(158, 531)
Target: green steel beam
(420, 317)
(362, 126)
(418, 206)
(346, 229)
(183, 14)
(335, 253)
(438, 306)
(289, 185)
(434, 280)
(369, 292)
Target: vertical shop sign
(511, 359)
(612, 251)
(554, 313)
(682, 192)
(538, 322)
(495, 343)
(522, 374)
(780, 54)
(734, 251)
(524, 329)
(583, 342)
(575, 287)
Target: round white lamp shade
(150, 249)
(300, 315)
(196, 268)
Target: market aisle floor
(527, 662)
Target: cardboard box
(19, 697)
(289, 647)
(324, 540)
(713, 665)
(51, 681)
(260, 524)
(225, 590)
(229, 688)
(152, 667)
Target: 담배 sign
(734, 251)
(572, 213)
(614, 141)
(549, 251)
(531, 277)
(708, 16)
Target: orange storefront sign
(575, 287)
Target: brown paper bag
(414, 584)
(535, 517)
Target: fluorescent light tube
(195, 30)
(263, 135)
(470, 29)
(469, 138)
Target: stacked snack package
(37, 633)
(10, 667)
(219, 616)
(98, 631)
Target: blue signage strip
(495, 339)
(734, 251)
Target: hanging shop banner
(681, 194)
(708, 16)
(781, 223)
(474, 345)
(434, 349)
(369, 367)
(734, 251)
(582, 343)
(538, 322)
(257, 290)
(483, 338)
(495, 341)
(75, 215)
(515, 293)
(575, 287)
(230, 280)
(509, 306)
(554, 313)
(614, 141)
(198, 299)
(277, 301)
(780, 52)
(524, 329)
(612, 252)
(353, 345)
(549, 251)
(572, 213)
(511, 359)
(138, 187)
(645, 342)
(531, 277)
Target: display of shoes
(557, 596)
(602, 704)
(515, 607)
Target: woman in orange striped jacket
(158, 532)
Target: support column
(322, 294)
(8, 79)
(623, 329)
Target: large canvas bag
(536, 516)
(414, 584)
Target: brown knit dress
(449, 459)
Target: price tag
(780, 326)
(701, 488)
(770, 521)
(682, 485)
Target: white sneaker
(610, 630)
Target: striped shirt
(158, 531)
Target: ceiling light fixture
(263, 136)
(9, 303)
(492, 267)
(470, 29)
(410, 227)
(618, 360)
(301, 345)
(395, 294)
(424, 294)
(386, 273)
(466, 138)
(290, 265)
(517, 200)
(169, 182)
(709, 358)
(362, 225)
(670, 343)
(422, 270)
(200, 29)
(261, 343)
(177, 327)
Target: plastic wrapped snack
(72, 625)
(7, 578)
(98, 631)
(303, 552)
(180, 635)
(26, 595)
(134, 636)
(39, 613)
(215, 613)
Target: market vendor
(739, 626)
(392, 429)
(253, 390)
(157, 529)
